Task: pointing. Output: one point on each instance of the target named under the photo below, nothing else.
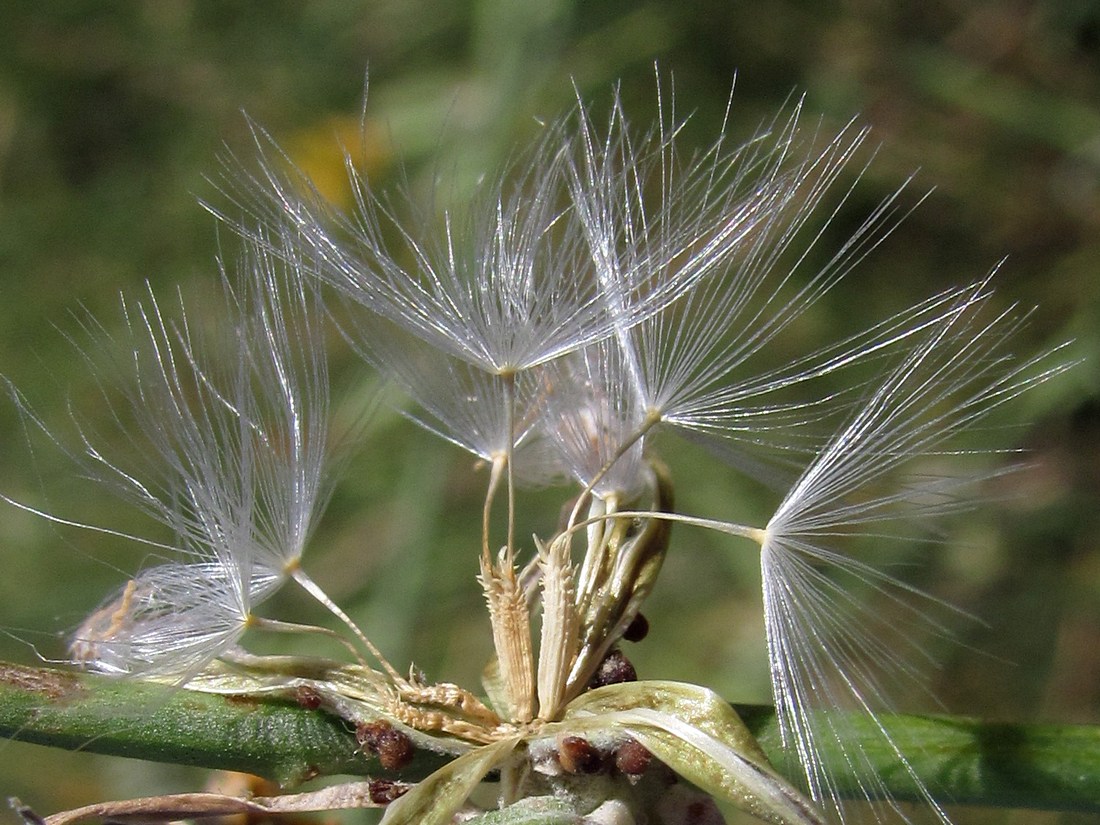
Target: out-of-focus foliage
(111, 118)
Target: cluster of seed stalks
(604, 296)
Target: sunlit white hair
(916, 381)
(830, 652)
(608, 287)
(229, 447)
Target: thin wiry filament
(510, 400)
(320, 595)
(606, 283)
(651, 421)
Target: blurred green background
(112, 116)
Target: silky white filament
(613, 288)
(606, 290)
(229, 453)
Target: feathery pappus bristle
(606, 293)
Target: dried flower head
(229, 441)
(602, 290)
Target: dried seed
(577, 755)
(394, 748)
(385, 791)
(637, 630)
(308, 697)
(613, 670)
(632, 758)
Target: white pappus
(605, 294)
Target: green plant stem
(121, 717)
(964, 761)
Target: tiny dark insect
(613, 670)
(394, 748)
(632, 758)
(385, 791)
(577, 755)
(637, 630)
(308, 697)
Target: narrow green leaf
(701, 738)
